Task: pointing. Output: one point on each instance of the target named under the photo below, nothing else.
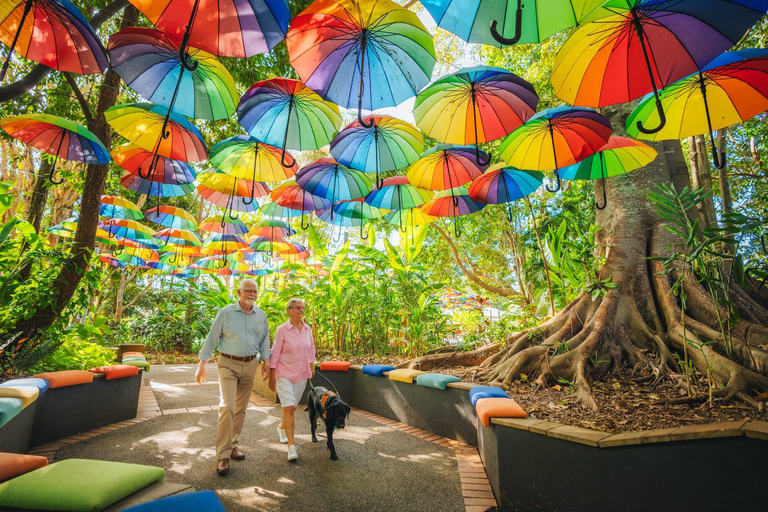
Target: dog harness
(324, 399)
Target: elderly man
(241, 332)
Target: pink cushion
(15, 464)
(66, 378)
(117, 371)
(488, 408)
(335, 366)
(128, 354)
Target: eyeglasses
(254, 292)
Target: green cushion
(77, 485)
(435, 380)
(9, 408)
(141, 363)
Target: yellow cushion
(28, 394)
(404, 374)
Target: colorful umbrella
(352, 213)
(452, 203)
(56, 136)
(61, 230)
(620, 155)
(475, 105)
(225, 27)
(119, 208)
(388, 144)
(272, 209)
(729, 90)
(222, 243)
(171, 217)
(335, 45)
(270, 245)
(224, 190)
(112, 261)
(179, 237)
(271, 228)
(293, 249)
(556, 137)
(141, 252)
(331, 180)
(224, 224)
(502, 184)
(176, 260)
(148, 61)
(409, 217)
(640, 46)
(170, 178)
(129, 233)
(158, 267)
(53, 33)
(286, 113)
(397, 193)
(292, 196)
(446, 166)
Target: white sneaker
(292, 453)
(281, 433)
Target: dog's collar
(323, 399)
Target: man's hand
(200, 373)
(265, 369)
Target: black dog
(331, 408)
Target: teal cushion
(435, 380)
(77, 485)
(9, 408)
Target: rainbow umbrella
(409, 217)
(149, 61)
(331, 180)
(151, 187)
(158, 267)
(286, 113)
(397, 193)
(119, 208)
(61, 230)
(272, 209)
(186, 272)
(171, 217)
(446, 166)
(53, 33)
(179, 237)
(291, 196)
(169, 178)
(112, 261)
(271, 228)
(635, 47)
(127, 229)
(215, 263)
(270, 245)
(294, 248)
(554, 138)
(142, 252)
(174, 259)
(230, 192)
(452, 203)
(620, 155)
(56, 136)
(221, 243)
(475, 105)
(224, 224)
(502, 184)
(225, 27)
(379, 143)
(352, 213)
(498, 22)
(334, 45)
(729, 90)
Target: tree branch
(79, 95)
(139, 295)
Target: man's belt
(238, 358)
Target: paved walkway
(383, 464)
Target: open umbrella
(446, 166)
(351, 213)
(53, 33)
(119, 208)
(409, 217)
(367, 54)
(290, 195)
(554, 138)
(179, 238)
(620, 155)
(331, 180)
(475, 105)
(171, 217)
(221, 243)
(271, 228)
(635, 47)
(729, 90)
(272, 209)
(230, 192)
(397, 193)
(452, 203)
(54, 135)
(224, 224)
(171, 178)
(286, 113)
(502, 184)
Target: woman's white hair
(292, 302)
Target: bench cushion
(140, 363)
(435, 380)
(131, 354)
(201, 501)
(335, 366)
(488, 408)
(116, 371)
(478, 392)
(27, 394)
(66, 378)
(9, 408)
(77, 485)
(377, 369)
(41, 384)
(404, 374)
(15, 464)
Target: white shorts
(290, 392)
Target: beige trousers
(235, 383)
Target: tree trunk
(701, 175)
(39, 196)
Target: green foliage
(81, 349)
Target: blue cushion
(201, 501)
(435, 380)
(377, 369)
(40, 384)
(9, 408)
(478, 392)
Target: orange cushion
(488, 408)
(335, 366)
(15, 464)
(117, 371)
(66, 378)
(404, 375)
(128, 354)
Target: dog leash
(317, 372)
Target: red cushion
(488, 408)
(335, 366)
(15, 464)
(117, 371)
(66, 378)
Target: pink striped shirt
(293, 352)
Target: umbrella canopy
(261, 244)
(171, 217)
(292, 196)
(505, 22)
(556, 137)
(56, 136)
(272, 209)
(222, 243)
(230, 192)
(409, 217)
(353, 213)
(452, 203)
(271, 228)
(170, 178)
(397, 193)
(640, 46)
(148, 61)
(119, 208)
(502, 184)
(176, 260)
(129, 233)
(286, 113)
(150, 187)
(61, 230)
(367, 54)
(53, 33)
(293, 249)
(225, 27)
(729, 90)
(475, 105)
(379, 144)
(446, 166)
(179, 237)
(224, 224)
(331, 180)
(112, 261)
(142, 252)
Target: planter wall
(16, 434)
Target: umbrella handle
(509, 212)
(641, 37)
(479, 159)
(359, 111)
(363, 45)
(27, 8)
(304, 227)
(718, 161)
(605, 199)
(518, 28)
(553, 190)
(119, 251)
(362, 225)
(282, 158)
(662, 119)
(336, 236)
(456, 228)
(183, 57)
(56, 159)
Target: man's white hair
(240, 287)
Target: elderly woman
(291, 364)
